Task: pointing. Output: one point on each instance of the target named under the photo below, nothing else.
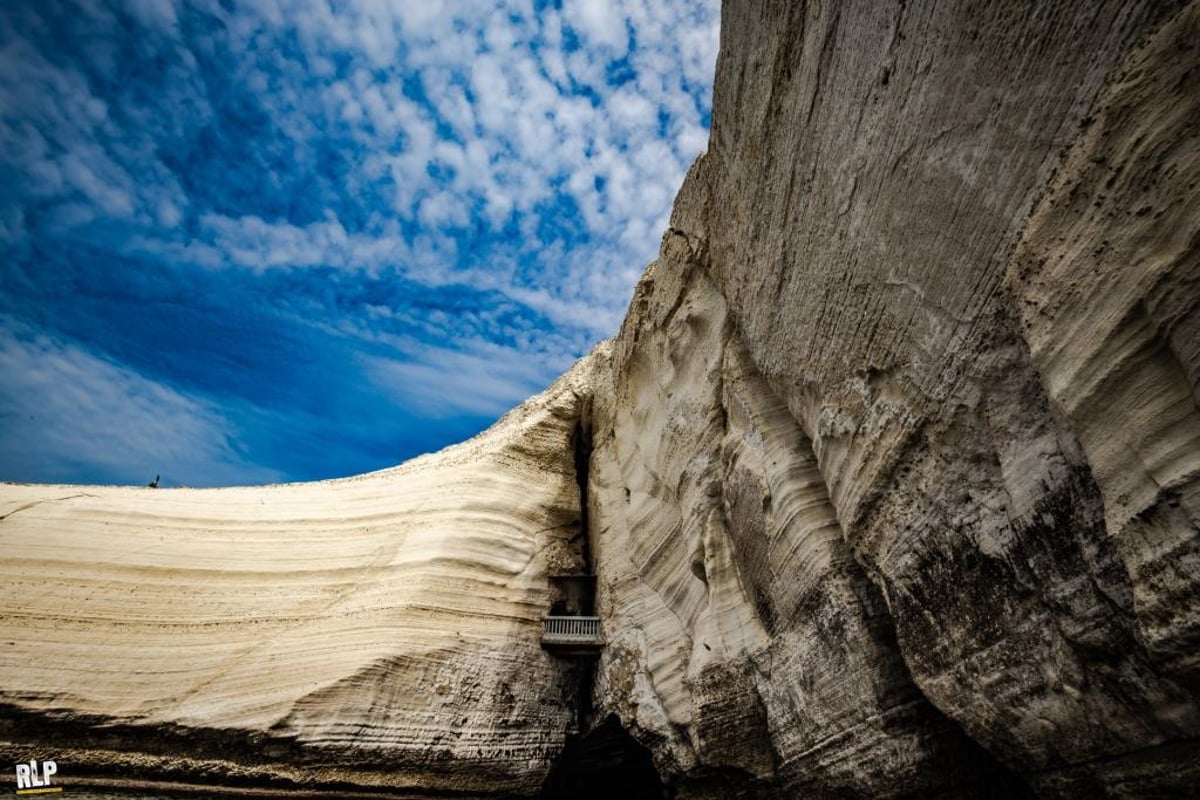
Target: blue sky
(244, 242)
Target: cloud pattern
(246, 240)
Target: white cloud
(455, 124)
(254, 243)
(525, 116)
(65, 143)
(529, 126)
(60, 405)
(483, 379)
(160, 14)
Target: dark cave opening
(604, 763)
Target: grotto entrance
(604, 763)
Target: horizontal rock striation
(889, 480)
(381, 630)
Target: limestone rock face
(903, 443)
(890, 480)
(382, 630)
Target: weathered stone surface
(890, 478)
(382, 630)
(745, 638)
(1107, 281)
(904, 423)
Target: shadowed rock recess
(890, 480)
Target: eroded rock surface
(903, 443)
(380, 631)
(890, 478)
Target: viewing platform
(570, 628)
(581, 634)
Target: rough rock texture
(382, 630)
(890, 476)
(903, 444)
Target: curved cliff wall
(379, 632)
(889, 478)
(896, 488)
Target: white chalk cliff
(891, 478)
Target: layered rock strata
(889, 478)
(378, 631)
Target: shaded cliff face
(889, 479)
(895, 488)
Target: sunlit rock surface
(890, 478)
(382, 629)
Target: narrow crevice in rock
(582, 674)
(581, 443)
(584, 707)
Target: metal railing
(572, 630)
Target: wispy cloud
(431, 188)
(443, 383)
(65, 414)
